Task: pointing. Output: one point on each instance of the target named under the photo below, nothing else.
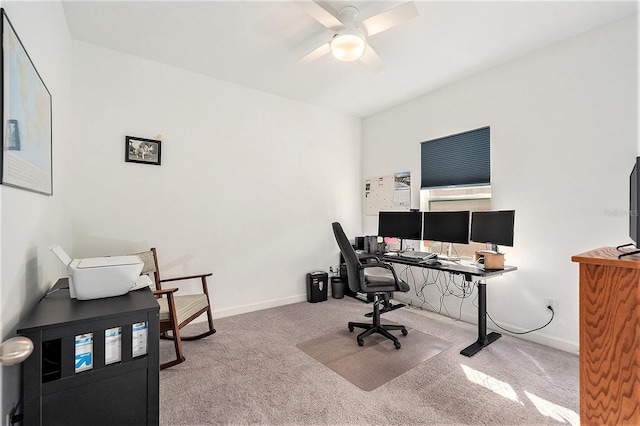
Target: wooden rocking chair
(176, 311)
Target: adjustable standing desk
(469, 272)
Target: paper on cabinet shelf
(139, 339)
(112, 345)
(84, 352)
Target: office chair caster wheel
(351, 329)
(404, 332)
(360, 342)
(397, 344)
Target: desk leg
(483, 338)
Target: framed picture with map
(26, 118)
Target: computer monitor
(493, 227)
(403, 225)
(446, 226)
(634, 217)
(634, 229)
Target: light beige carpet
(378, 361)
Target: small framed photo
(141, 150)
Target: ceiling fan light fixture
(348, 45)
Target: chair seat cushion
(381, 279)
(186, 306)
(378, 275)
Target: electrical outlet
(550, 303)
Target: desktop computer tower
(317, 284)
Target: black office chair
(378, 278)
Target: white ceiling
(256, 43)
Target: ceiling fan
(349, 35)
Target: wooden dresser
(609, 337)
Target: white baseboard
(243, 309)
(536, 337)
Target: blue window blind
(458, 160)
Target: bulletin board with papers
(388, 193)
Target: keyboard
(416, 255)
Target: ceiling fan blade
(315, 54)
(319, 13)
(371, 59)
(390, 18)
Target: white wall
(248, 187)
(564, 135)
(30, 222)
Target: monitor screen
(404, 225)
(446, 227)
(494, 227)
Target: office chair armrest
(368, 257)
(381, 265)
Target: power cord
(524, 332)
(14, 418)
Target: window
(472, 198)
(456, 175)
(463, 159)
(459, 198)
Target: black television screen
(634, 217)
(633, 203)
(404, 225)
(493, 227)
(446, 226)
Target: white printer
(98, 277)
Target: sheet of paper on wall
(402, 189)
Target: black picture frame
(26, 117)
(142, 150)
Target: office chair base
(387, 308)
(380, 329)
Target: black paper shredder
(317, 283)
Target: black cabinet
(94, 361)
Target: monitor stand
(630, 253)
(494, 249)
(449, 256)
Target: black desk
(471, 273)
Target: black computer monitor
(403, 225)
(446, 226)
(493, 227)
(634, 218)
